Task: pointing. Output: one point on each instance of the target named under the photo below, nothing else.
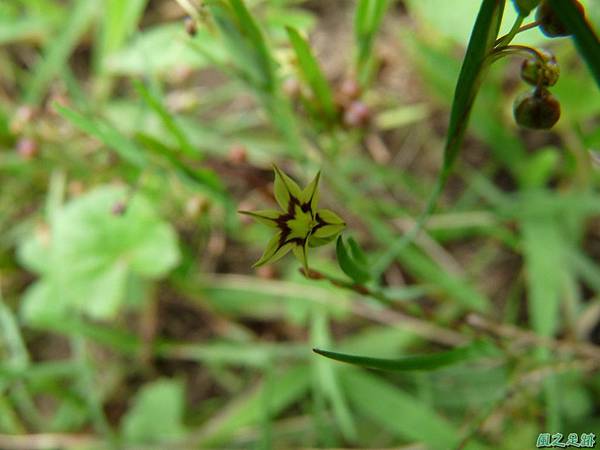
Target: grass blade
(107, 134)
(367, 20)
(311, 72)
(58, 50)
(118, 22)
(419, 362)
(583, 34)
(481, 42)
(399, 412)
(354, 269)
(168, 120)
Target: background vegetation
(130, 315)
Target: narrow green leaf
(400, 413)
(326, 375)
(367, 19)
(311, 72)
(354, 270)
(357, 253)
(205, 179)
(485, 32)
(57, 52)
(270, 398)
(482, 40)
(583, 34)
(245, 43)
(106, 133)
(168, 121)
(118, 22)
(432, 361)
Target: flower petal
(284, 188)
(310, 194)
(314, 241)
(328, 224)
(274, 251)
(267, 217)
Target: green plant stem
(90, 392)
(529, 26)
(507, 38)
(508, 50)
(355, 287)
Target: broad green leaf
(355, 270)
(311, 72)
(477, 349)
(584, 36)
(156, 415)
(92, 253)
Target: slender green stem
(529, 26)
(87, 385)
(522, 50)
(507, 38)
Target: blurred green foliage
(130, 316)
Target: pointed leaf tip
(284, 188)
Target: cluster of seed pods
(538, 108)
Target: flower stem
(507, 38)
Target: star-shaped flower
(300, 224)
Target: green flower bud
(524, 7)
(538, 72)
(538, 110)
(550, 22)
(299, 224)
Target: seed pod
(357, 114)
(538, 110)
(238, 154)
(191, 27)
(538, 72)
(550, 22)
(27, 148)
(292, 87)
(524, 7)
(350, 89)
(119, 208)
